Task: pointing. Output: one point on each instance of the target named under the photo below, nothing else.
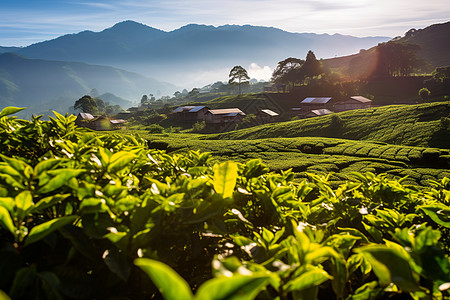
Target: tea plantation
(106, 216)
(422, 125)
(320, 155)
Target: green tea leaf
(237, 287)
(24, 203)
(42, 230)
(119, 160)
(308, 280)
(117, 263)
(6, 221)
(4, 296)
(225, 175)
(10, 110)
(45, 165)
(171, 285)
(60, 177)
(368, 291)
(439, 213)
(390, 266)
(48, 202)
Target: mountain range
(181, 56)
(43, 85)
(55, 73)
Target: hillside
(45, 85)
(318, 155)
(413, 125)
(433, 41)
(192, 49)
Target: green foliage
(287, 70)
(155, 128)
(86, 216)
(95, 106)
(198, 126)
(424, 93)
(86, 104)
(238, 75)
(413, 125)
(396, 59)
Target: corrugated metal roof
(318, 100)
(86, 116)
(196, 109)
(361, 99)
(182, 108)
(226, 111)
(120, 121)
(269, 112)
(321, 112)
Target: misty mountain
(9, 49)
(43, 85)
(182, 54)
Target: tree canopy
(293, 71)
(396, 59)
(86, 104)
(238, 75)
(95, 106)
(312, 67)
(287, 70)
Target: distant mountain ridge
(181, 53)
(44, 85)
(434, 43)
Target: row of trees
(292, 71)
(397, 59)
(96, 106)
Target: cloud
(257, 72)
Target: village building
(83, 119)
(267, 115)
(99, 123)
(225, 115)
(353, 102)
(314, 103)
(190, 113)
(318, 113)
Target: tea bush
(87, 216)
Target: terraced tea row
(321, 155)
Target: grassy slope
(364, 143)
(319, 155)
(414, 125)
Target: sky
(23, 22)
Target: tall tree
(86, 104)
(193, 93)
(238, 75)
(286, 71)
(312, 67)
(144, 99)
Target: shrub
(445, 123)
(199, 126)
(155, 128)
(424, 93)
